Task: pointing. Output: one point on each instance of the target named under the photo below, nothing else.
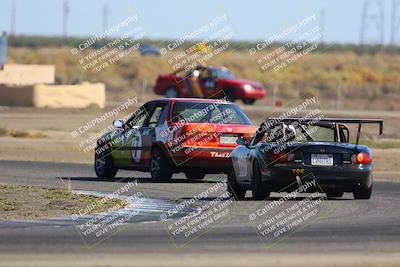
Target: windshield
(320, 133)
(190, 112)
(222, 74)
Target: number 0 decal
(136, 147)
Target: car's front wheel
(229, 94)
(195, 175)
(104, 165)
(259, 190)
(363, 193)
(249, 101)
(234, 188)
(159, 167)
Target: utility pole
(372, 22)
(65, 17)
(13, 17)
(322, 25)
(395, 22)
(105, 17)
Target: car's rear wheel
(331, 194)
(195, 175)
(159, 167)
(234, 188)
(104, 165)
(229, 94)
(171, 93)
(259, 190)
(363, 193)
(249, 101)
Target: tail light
(361, 158)
(282, 157)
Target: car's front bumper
(251, 94)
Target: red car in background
(208, 82)
(166, 136)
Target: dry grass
(369, 81)
(27, 202)
(21, 134)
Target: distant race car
(208, 82)
(195, 136)
(284, 154)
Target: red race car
(208, 82)
(194, 136)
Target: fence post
(338, 97)
(143, 89)
(274, 91)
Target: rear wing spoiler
(276, 121)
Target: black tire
(195, 175)
(104, 165)
(249, 101)
(259, 190)
(332, 194)
(229, 94)
(171, 93)
(236, 191)
(363, 193)
(159, 167)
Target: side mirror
(241, 141)
(118, 123)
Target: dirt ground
(202, 260)
(53, 140)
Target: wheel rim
(171, 93)
(100, 163)
(155, 164)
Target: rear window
(190, 112)
(289, 133)
(316, 132)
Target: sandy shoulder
(175, 259)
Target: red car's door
(208, 83)
(148, 132)
(129, 152)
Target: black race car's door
(243, 164)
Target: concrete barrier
(20, 74)
(54, 96)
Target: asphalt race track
(351, 227)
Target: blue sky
(252, 20)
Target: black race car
(284, 154)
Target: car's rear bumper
(208, 160)
(346, 178)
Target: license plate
(227, 139)
(322, 159)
